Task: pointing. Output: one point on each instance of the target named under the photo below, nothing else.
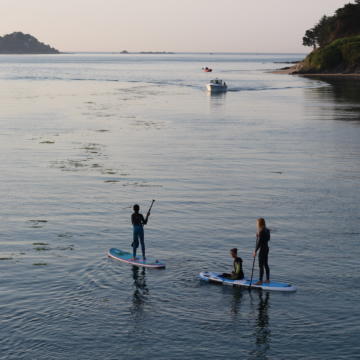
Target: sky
(167, 25)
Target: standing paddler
(138, 221)
(262, 240)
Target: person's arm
(144, 221)
(259, 242)
(132, 219)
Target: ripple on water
(37, 223)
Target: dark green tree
(309, 38)
(345, 22)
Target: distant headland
(145, 52)
(336, 45)
(20, 43)
(155, 52)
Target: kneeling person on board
(238, 273)
(138, 221)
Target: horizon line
(165, 52)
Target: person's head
(260, 224)
(136, 208)
(233, 252)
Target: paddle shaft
(148, 213)
(252, 270)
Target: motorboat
(216, 85)
(206, 69)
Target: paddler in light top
(238, 273)
(138, 221)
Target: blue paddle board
(272, 286)
(127, 258)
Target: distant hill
(20, 43)
(336, 42)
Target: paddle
(148, 213)
(252, 270)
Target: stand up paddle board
(127, 258)
(272, 286)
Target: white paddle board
(272, 286)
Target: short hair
(136, 207)
(234, 250)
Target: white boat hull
(216, 88)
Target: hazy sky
(170, 25)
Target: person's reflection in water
(262, 329)
(236, 301)
(141, 291)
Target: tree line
(345, 22)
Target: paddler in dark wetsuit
(262, 239)
(238, 273)
(138, 221)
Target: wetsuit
(238, 273)
(262, 245)
(138, 232)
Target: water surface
(85, 136)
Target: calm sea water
(85, 136)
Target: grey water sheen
(85, 136)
